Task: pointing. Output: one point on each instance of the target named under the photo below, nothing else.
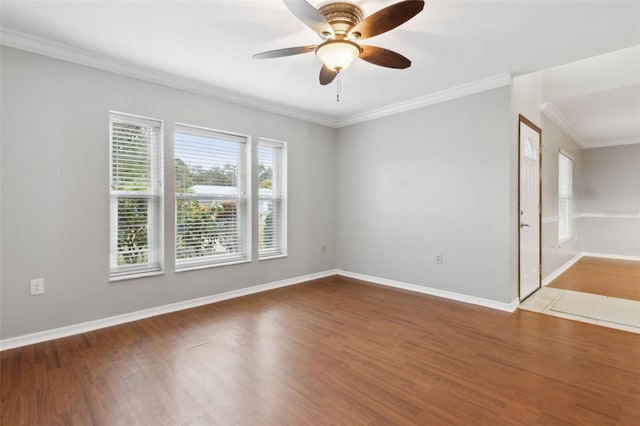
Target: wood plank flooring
(332, 351)
(606, 277)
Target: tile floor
(606, 311)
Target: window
(136, 196)
(211, 197)
(565, 197)
(272, 190)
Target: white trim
(554, 114)
(193, 266)
(551, 219)
(154, 196)
(566, 154)
(611, 256)
(274, 256)
(610, 215)
(555, 274)
(56, 333)
(67, 53)
(223, 135)
(613, 142)
(565, 241)
(561, 121)
(508, 307)
(134, 276)
(445, 95)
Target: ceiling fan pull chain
(338, 87)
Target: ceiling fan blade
(384, 57)
(388, 18)
(327, 75)
(289, 51)
(309, 15)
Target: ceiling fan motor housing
(342, 25)
(342, 17)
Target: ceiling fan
(340, 25)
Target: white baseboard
(611, 256)
(508, 307)
(56, 333)
(555, 274)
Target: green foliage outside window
(204, 228)
(131, 169)
(132, 231)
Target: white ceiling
(610, 117)
(596, 100)
(210, 44)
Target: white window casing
(212, 207)
(136, 193)
(272, 198)
(565, 197)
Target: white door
(529, 208)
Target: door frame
(522, 119)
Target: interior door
(529, 207)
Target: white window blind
(211, 197)
(272, 190)
(565, 197)
(136, 195)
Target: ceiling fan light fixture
(337, 55)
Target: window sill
(194, 267)
(272, 256)
(134, 276)
(565, 241)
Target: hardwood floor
(331, 351)
(606, 277)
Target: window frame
(278, 197)
(155, 206)
(566, 217)
(243, 200)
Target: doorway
(529, 207)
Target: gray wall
(554, 254)
(610, 200)
(428, 181)
(606, 200)
(55, 202)
(384, 196)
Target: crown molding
(554, 114)
(613, 142)
(445, 95)
(611, 215)
(67, 53)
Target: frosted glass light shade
(337, 54)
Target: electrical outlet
(324, 248)
(439, 259)
(37, 286)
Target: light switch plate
(37, 286)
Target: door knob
(522, 225)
